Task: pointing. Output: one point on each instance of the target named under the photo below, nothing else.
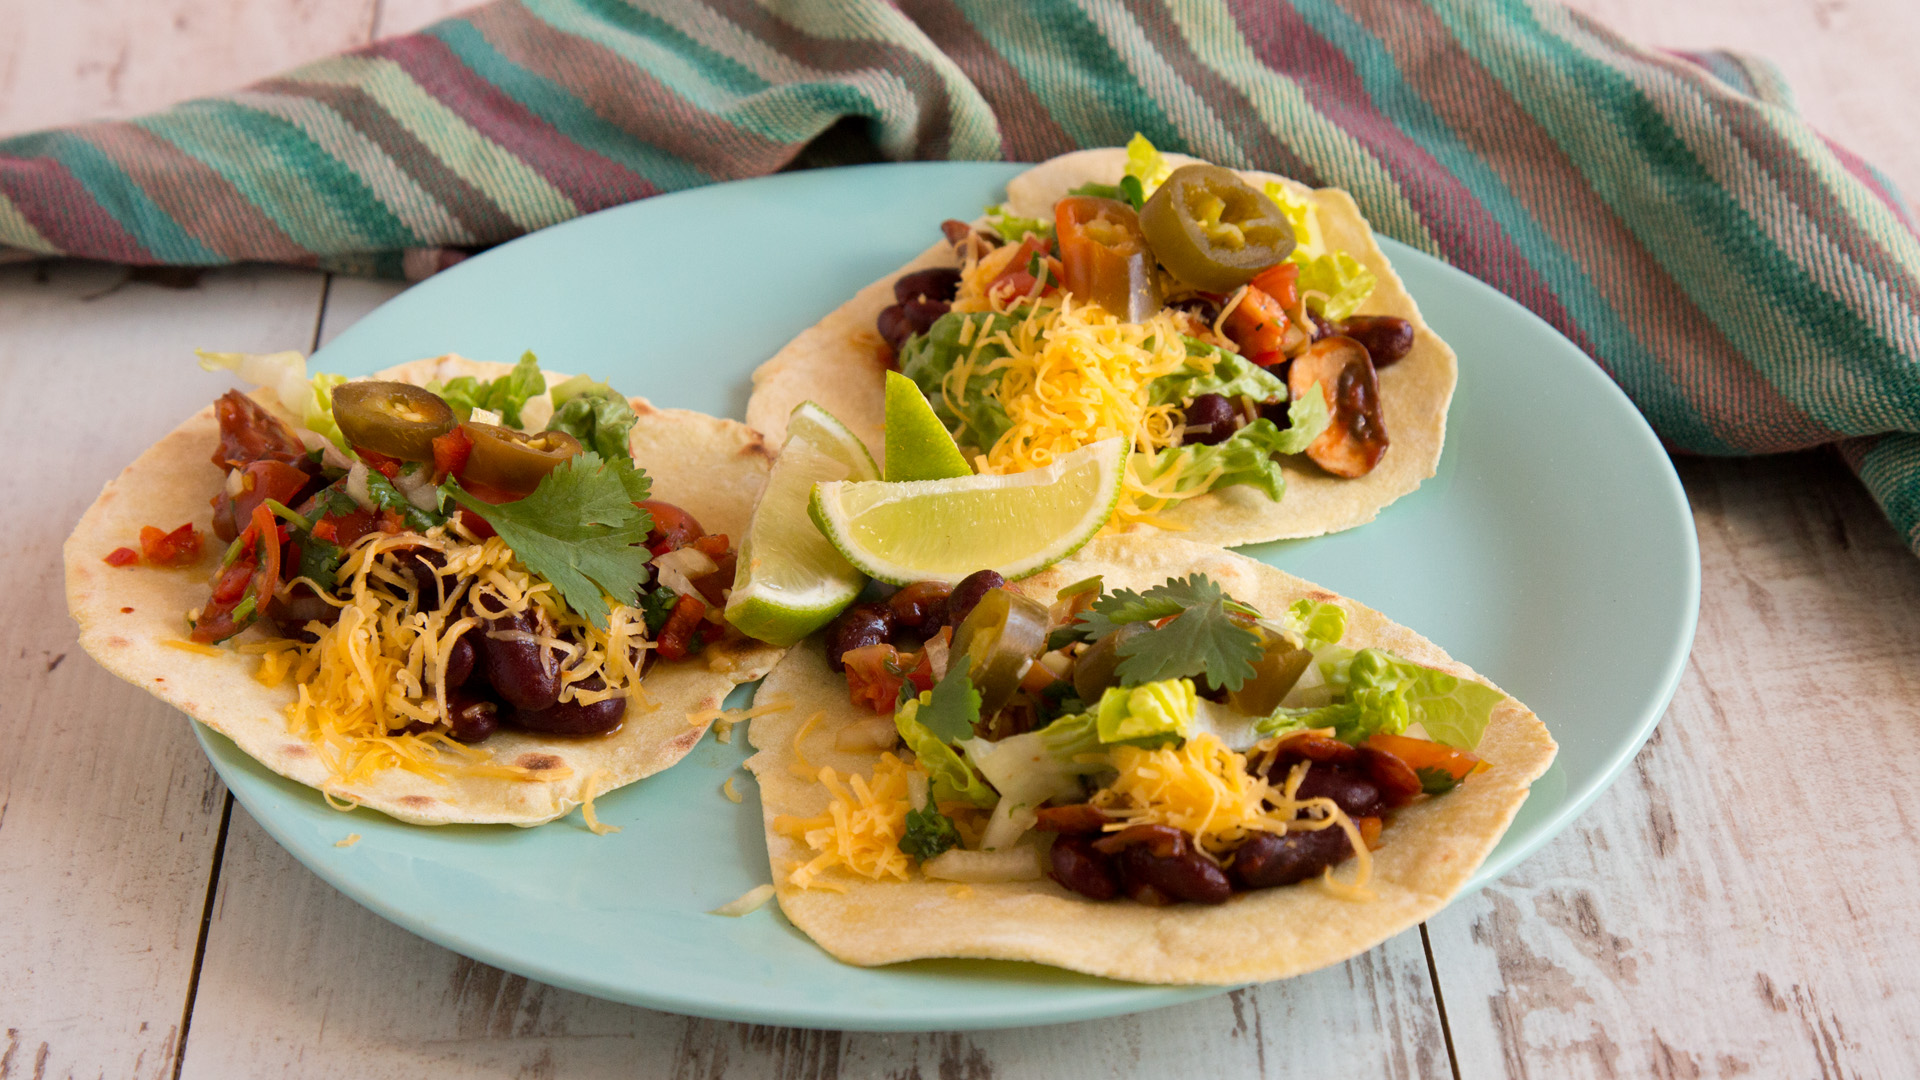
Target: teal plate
(1553, 552)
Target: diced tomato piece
(248, 582)
(259, 481)
(1281, 282)
(1369, 832)
(326, 529)
(181, 547)
(475, 524)
(1423, 755)
(249, 433)
(388, 467)
(391, 521)
(677, 639)
(875, 674)
(344, 529)
(712, 545)
(1018, 278)
(1257, 324)
(450, 453)
(125, 556)
(673, 528)
(1273, 358)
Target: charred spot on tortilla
(365, 524)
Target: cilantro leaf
(1201, 639)
(955, 705)
(387, 497)
(656, 606)
(579, 530)
(929, 832)
(319, 561)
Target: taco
(1157, 761)
(449, 593)
(1244, 331)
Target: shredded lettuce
(1245, 458)
(1231, 375)
(1318, 624)
(953, 778)
(285, 373)
(596, 414)
(1014, 229)
(1373, 691)
(979, 420)
(1336, 284)
(1154, 712)
(506, 395)
(1300, 213)
(1147, 165)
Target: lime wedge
(918, 446)
(790, 581)
(943, 530)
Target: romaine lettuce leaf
(1317, 624)
(1155, 712)
(952, 777)
(1014, 229)
(285, 373)
(929, 357)
(596, 414)
(1247, 457)
(1376, 692)
(506, 395)
(1340, 278)
(1231, 375)
(1147, 165)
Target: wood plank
(301, 982)
(1741, 902)
(108, 811)
(67, 62)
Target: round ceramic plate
(1554, 552)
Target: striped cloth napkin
(1753, 287)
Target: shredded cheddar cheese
(1205, 790)
(352, 839)
(724, 719)
(380, 669)
(860, 830)
(588, 792)
(732, 793)
(191, 646)
(800, 766)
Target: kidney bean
(966, 595)
(1185, 874)
(1211, 419)
(1397, 781)
(940, 283)
(460, 661)
(893, 326)
(1349, 789)
(922, 314)
(574, 718)
(1076, 818)
(420, 566)
(1275, 410)
(524, 674)
(1386, 338)
(857, 627)
(1315, 748)
(921, 607)
(471, 716)
(1200, 307)
(1268, 860)
(299, 606)
(1075, 864)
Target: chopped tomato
(673, 528)
(125, 556)
(259, 481)
(249, 433)
(1281, 282)
(181, 547)
(245, 583)
(1369, 832)
(1257, 324)
(875, 674)
(450, 453)
(1426, 758)
(344, 529)
(391, 521)
(388, 467)
(1018, 279)
(475, 524)
(678, 639)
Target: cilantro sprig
(579, 530)
(1200, 638)
(955, 704)
(929, 832)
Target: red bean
(525, 674)
(857, 627)
(920, 608)
(1185, 874)
(574, 718)
(460, 661)
(1079, 868)
(1397, 781)
(1268, 860)
(893, 326)
(471, 717)
(966, 595)
(940, 283)
(1076, 818)
(1210, 419)
(421, 566)
(1386, 338)
(1350, 790)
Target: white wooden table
(1741, 903)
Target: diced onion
(357, 489)
(691, 562)
(985, 867)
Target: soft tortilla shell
(1431, 848)
(713, 468)
(840, 363)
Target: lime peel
(942, 530)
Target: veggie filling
(432, 566)
(1182, 309)
(1169, 746)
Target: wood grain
(301, 982)
(1740, 903)
(109, 813)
